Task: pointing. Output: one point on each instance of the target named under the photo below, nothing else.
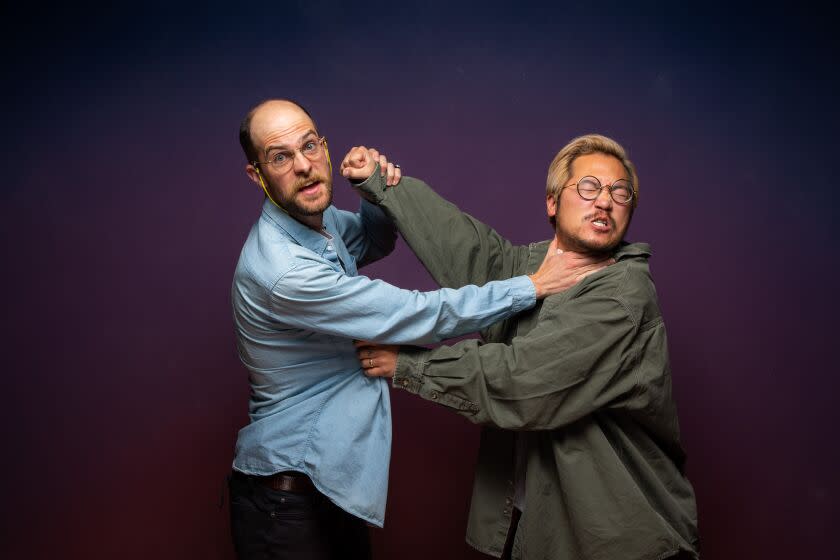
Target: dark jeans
(276, 525)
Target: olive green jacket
(583, 378)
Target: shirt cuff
(524, 293)
(408, 374)
(412, 362)
(372, 188)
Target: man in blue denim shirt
(311, 467)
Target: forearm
(369, 235)
(547, 379)
(456, 248)
(315, 297)
(380, 233)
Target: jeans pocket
(281, 504)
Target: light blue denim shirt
(298, 303)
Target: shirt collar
(628, 250)
(301, 234)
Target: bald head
(261, 116)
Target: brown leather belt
(288, 482)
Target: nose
(302, 164)
(604, 199)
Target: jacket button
(405, 382)
(434, 396)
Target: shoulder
(339, 220)
(633, 285)
(267, 255)
(337, 215)
(626, 284)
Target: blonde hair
(560, 170)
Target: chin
(317, 206)
(598, 245)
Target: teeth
(600, 222)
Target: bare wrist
(538, 287)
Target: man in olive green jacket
(580, 455)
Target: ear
(551, 205)
(253, 174)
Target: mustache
(602, 215)
(314, 178)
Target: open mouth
(601, 223)
(310, 188)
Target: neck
(314, 221)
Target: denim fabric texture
(298, 304)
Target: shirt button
(405, 382)
(508, 501)
(330, 247)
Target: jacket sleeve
(369, 234)
(579, 358)
(454, 247)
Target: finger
(584, 274)
(397, 176)
(383, 165)
(373, 153)
(356, 159)
(390, 171)
(345, 163)
(587, 270)
(349, 153)
(359, 158)
(579, 260)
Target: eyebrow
(301, 138)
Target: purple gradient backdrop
(124, 206)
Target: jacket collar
(624, 250)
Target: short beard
(574, 243)
(293, 208)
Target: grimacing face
(590, 226)
(305, 189)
